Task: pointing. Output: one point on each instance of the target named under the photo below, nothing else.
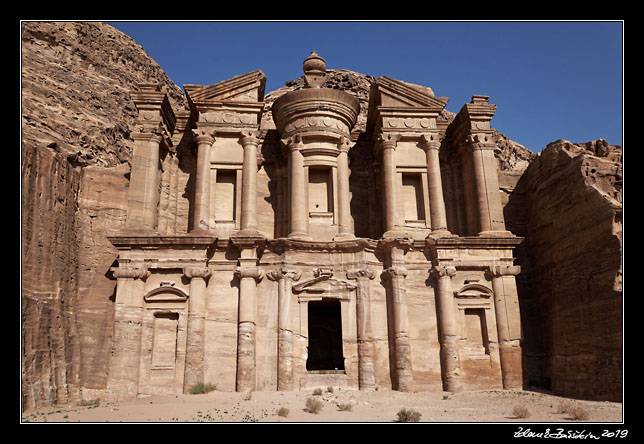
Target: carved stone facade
(253, 276)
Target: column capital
(480, 141)
(249, 137)
(197, 272)
(430, 141)
(131, 273)
(360, 273)
(388, 140)
(293, 143)
(439, 271)
(154, 132)
(344, 144)
(204, 135)
(503, 270)
(284, 272)
(249, 272)
(392, 272)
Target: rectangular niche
(412, 194)
(476, 329)
(164, 342)
(320, 190)
(225, 195)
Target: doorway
(325, 336)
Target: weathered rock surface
(570, 285)
(77, 116)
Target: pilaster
(123, 380)
(204, 136)
(508, 322)
(366, 370)
(345, 230)
(284, 277)
(154, 126)
(450, 361)
(388, 142)
(438, 217)
(249, 275)
(298, 209)
(195, 345)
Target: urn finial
(314, 68)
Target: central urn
(315, 111)
(315, 126)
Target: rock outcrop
(570, 285)
(77, 116)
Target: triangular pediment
(390, 92)
(242, 88)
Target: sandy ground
(493, 406)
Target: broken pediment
(389, 92)
(242, 88)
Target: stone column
(508, 323)
(249, 275)
(438, 216)
(143, 194)
(250, 142)
(123, 379)
(284, 277)
(450, 361)
(366, 369)
(194, 369)
(487, 183)
(395, 277)
(388, 143)
(344, 198)
(204, 137)
(299, 216)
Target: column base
(300, 236)
(442, 232)
(496, 233)
(343, 236)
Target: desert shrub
(283, 411)
(313, 405)
(200, 387)
(247, 395)
(317, 391)
(564, 407)
(345, 407)
(578, 412)
(329, 389)
(521, 411)
(410, 415)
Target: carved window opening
(320, 190)
(476, 330)
(164, 343)
(412, 193)
(325, 336)
(225, 196)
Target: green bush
(200, 387)
(405, 415)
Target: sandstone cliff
(77, 116)
(570, 286)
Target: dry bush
(345, 407)
(317, 391)
(579, 413)
(314, 405)
(283, 411)
(521, 411)
(410, 415)
(564, 407)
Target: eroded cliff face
(77, 116)
(570, 286)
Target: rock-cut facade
(284, 246)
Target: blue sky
(550, 80)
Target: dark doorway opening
(325, 336)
